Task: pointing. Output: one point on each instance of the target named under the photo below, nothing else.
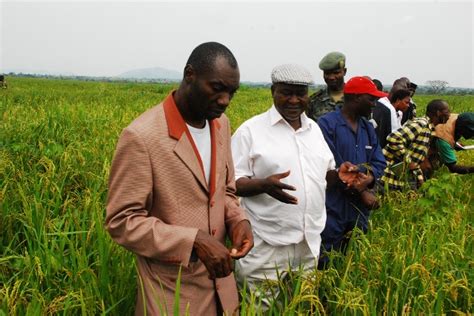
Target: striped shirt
(408, 144)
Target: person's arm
(247, 184)
(270, 185)
(447, 155)
(418, 151)
(396, 145)
(455, 168)
(129, 200)
(347, 175)
(376, 160)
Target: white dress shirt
(265, 145)
(395, 116)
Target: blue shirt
(357, 148)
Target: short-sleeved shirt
(321, 103)
(265, 145)
(446, 153)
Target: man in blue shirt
(351, 138)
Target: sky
(422, 40)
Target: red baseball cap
(362, 85)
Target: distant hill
(37, 72)
(152, 73)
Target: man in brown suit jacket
(172, 202)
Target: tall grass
(57, 141)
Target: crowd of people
(286, 189)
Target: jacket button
(212, 203)
(213, 232)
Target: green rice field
(57, 139)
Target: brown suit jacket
(158, 199)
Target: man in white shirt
(388, 121)
(274, 152)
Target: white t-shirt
(266, 144)
(202, 140)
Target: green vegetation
(57, 141)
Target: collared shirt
(395, 116)
(361, 147)
(265, 145)
(408, 144)
(321, 103)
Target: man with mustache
(276, 153)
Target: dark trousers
(337, 233)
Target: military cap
(333, 60)
(292, 74)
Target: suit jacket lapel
(185, 148)
(216, 151)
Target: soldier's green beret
(333, 60)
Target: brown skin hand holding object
(350, 175)
(369, 199)
(216, 257)
(213, 254)
(242, 240)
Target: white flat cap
(292, 74)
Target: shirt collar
(430, 125)
(174, 119)
(275, 117)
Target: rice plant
(57, 141)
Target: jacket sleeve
(129, 200)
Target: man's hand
(213, 254)
(242, 239)
(348, 173)
(362, 182)
(419, 182)
(412, 166)
(274, 187)
(370, 200)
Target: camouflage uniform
(321, 103)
